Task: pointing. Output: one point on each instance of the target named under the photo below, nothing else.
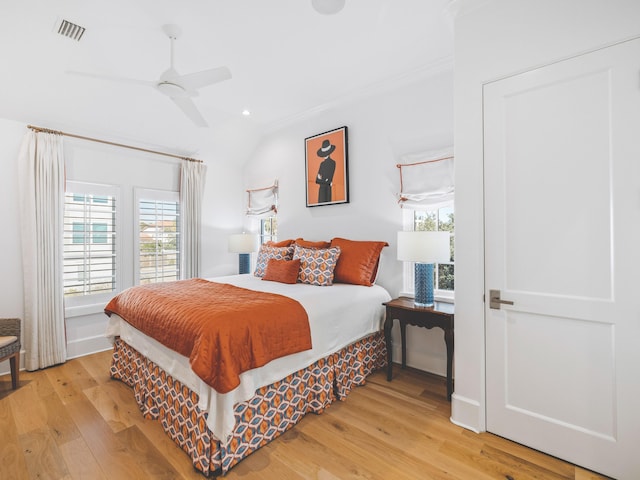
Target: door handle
(494, 300)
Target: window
(439, 220)
(158, 236)
(442, 219)
(78, 227)
(268, 229)
(112, 180)
(89, 240)
(99, 232)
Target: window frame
(157, 196)
(87, 303)
(273, 235)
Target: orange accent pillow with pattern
(316, 265)
(266, 253)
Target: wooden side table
(440, 315)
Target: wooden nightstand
(440, 315)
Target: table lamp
(243, 244)
(425, 249)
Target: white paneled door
(562, 242)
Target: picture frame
(327, 168)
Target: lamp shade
(243, 243)
(424, 247)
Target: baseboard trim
(465, 413)
(75, 349)
(87, 346)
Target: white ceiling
(286, 59)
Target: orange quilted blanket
(223, 329)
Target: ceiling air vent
(70, 30)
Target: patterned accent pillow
(267, 252)
(316, 264)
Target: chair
(10, 346)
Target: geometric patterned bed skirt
(273, 410)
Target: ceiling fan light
(327, 7)
(171, 89)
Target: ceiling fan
(179, 88)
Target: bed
(217, 430)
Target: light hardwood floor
(73, 422)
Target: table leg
(403, 335)
(448, 339)
(388, 323)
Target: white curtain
(263, 200)
(426, 180)
(41, 179)
(192, 180)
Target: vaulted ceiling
(285, 58)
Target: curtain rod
(57, 132)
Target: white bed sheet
(338, 316)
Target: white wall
(11, 290)
(494, 39)
(128, 169)
(383, 126)
(93, 162)
(11, 304)
(224, 197)
(222, 209)
(415, 117)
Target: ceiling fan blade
(193, 81)
(190, 110)
(112, 78)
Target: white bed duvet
(338, 316)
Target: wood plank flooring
(74, 422)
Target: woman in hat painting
(325, 171)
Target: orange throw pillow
(358, 262)
(307, 244)
(283, 271)
(282, 243)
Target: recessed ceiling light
(246, 112)
(327, 7)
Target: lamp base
(423, 285)
(244, 263)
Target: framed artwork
(326, 168)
